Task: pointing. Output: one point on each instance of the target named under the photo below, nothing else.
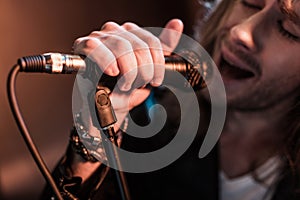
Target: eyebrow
(287, 9)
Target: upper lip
(235, 60)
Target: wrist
(78, 148)
(82, 161)
(87, 142)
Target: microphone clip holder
(106, 118)
(105, 112)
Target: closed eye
(252, 5)
(286, 33)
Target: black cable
(110, 145)
(11, 86)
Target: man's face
(258, 54)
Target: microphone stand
(107, 119)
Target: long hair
(211, 27)
(291, 147)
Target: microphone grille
(198, 70)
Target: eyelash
(285, 33)
(249, 5)
(281, 29)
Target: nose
(247, 35)
(242, 38)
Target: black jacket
(189, 177)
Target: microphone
(187, 63)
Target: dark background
(35, 27)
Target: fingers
(170, 35)
(144, 69)
(99, 53)
(129, 51)
(153, 44)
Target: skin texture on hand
(133, 54)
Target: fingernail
(125, 87)
(112, 71)
(155, 83)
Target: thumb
(170, 35)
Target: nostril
(242, 37)
(242, 45)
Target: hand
(133, 54)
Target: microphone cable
(65, 64)
(11, 91)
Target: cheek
(280, 68)
(280, 57)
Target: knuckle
(95, 33)
(110, 26)
(153, 42)
(130, 26)
(90, 43)
(77, 41)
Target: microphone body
(58, 63)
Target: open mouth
(230, 71)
